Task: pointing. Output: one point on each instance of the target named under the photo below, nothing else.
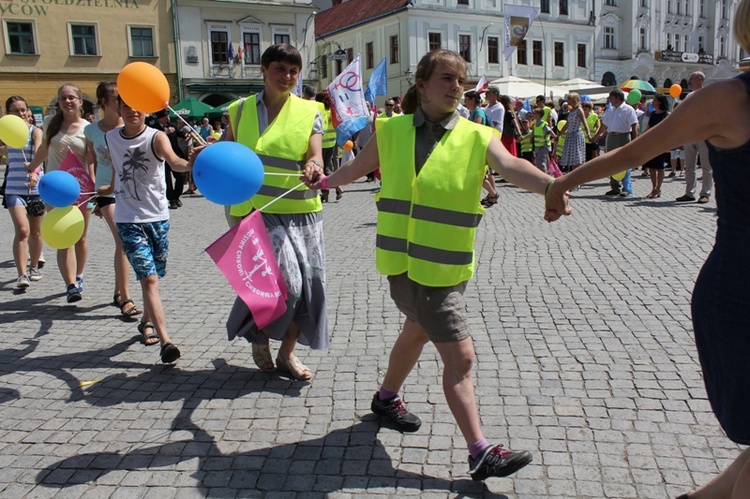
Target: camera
(35, 208)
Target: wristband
(549, 184)
(324, 183)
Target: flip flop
(169, 353)
(262, 357)
(131, 311)
(142, 326)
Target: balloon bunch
(63, 226)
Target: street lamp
(304, 31)
(484, 31)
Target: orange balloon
(348, 145)
(675, 90)
(143, 87)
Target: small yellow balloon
(561, 124)
(14, 131)
(63, 227)
(619, 176)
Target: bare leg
(153, 309)
(404, 355)
(732, 483)
(459, 387)
(35, 240)
(66, 263)
(659, 180)
(82, 246)
(122, 267)
(652, 173)
(21, 238)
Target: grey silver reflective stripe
(439, 255)
(274, 192)
(398, 206)
(391, 243)
(285, 164)
(448, 217)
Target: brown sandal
(294, 368)
(262, 357)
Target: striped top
(18, 177)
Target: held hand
(312, 174)
(105, 190)
(556, 204)
(192, 154)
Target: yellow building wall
(37, 77)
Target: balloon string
(86, 201)
(284, 174)
(276, 199)
(195, 135)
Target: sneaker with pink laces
(497, 461)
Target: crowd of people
(425, 226)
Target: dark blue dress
(721, 298)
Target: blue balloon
(228, 173)
(59, 189)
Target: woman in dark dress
(721, 297)
(656, 165)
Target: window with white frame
(679, 7)
(609, 37)
(582, 55)
(677, 40)
(723, 9)
(393, 49)
(612, 3)
(702, 8)
(464, 47)
(251, 42)
(522, 55)
(536, 53)
(642, 39)
(670, 6)
(219, 43)
(141, 41)
(686, 43)
(83, 39)
(722, 47)
(434, 41)
(669, 42)
(493, 50)
(282, 34)
(701, 45)
(19, 38)
(559, 49)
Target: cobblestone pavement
(585, 357)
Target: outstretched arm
(365, 162)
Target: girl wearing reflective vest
(433, 163)
(285, 131)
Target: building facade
(606, 41)
(220, 43)
(49, 42)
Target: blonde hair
(576, 99)
(742, 24)
(425, 68)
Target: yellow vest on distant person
(427, 222)
(282, 148)
(329, 132)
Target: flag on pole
(348, 107)
(298, 89)
(245, 256)
(481, 85)
(518, 19)
(378, 84)
(73, 165)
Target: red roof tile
(353, 12)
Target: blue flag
(230, 52)
(378, 84)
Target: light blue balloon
(228, 173)
(59, 189)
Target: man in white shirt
(692, 151)
(495, 111)
(620, 126)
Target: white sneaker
(34, 274)
(42, 261)
(23, 282)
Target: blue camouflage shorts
(146, 245)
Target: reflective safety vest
(527, 141)
(593, 121)
(541, 139)
(329, 133)
(281, 148)
(560, 145)
(427, 222)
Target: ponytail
(410, 102)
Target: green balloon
(634, 97)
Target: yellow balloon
(561, 124)
(619, 176)
(63, 227)
(14, 131)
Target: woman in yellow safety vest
(432, 163)
(285, 131)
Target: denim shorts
(146, 245)
(12, 200)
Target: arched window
(652, 82)
(667, 83)
(608, 79)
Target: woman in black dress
(656, 165)
(721, 297)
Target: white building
(208, 70)
(607, 41)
